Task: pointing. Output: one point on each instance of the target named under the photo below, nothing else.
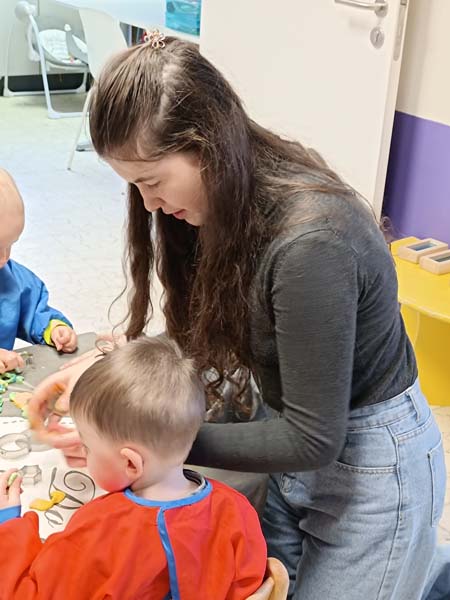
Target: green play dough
(12, 478)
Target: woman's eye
(152, 185)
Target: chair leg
(81, 89)
(80, 129)
(6, 90)
(52, 113)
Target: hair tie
(155, 38)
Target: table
(144, 14)
(425, 300)
(77, 483)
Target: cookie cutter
(31, 474)
(22, 444)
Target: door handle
(379, 7)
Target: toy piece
(438, 263)
(13, 381)
(415, 251)
(55, 498)
(20, 399)
(11, 377)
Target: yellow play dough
(55, 498)
(39, 504)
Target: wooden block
(438, 263)
(414, 252)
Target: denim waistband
(410, 402)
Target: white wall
(425, 77)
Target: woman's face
(173, 184)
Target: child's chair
(47, 44)
(276, 586)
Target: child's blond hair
(144, 392)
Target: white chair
(104, 37)
(76, 49)
(47, 45)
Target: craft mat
(74, 482)
(56, 474)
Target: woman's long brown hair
(151, 102)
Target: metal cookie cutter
(15, 445)
(31, 474)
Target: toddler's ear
(134, 463)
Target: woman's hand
(10, 360)
(74, 454)
(105, 342)
(50, 401)
(9, 494)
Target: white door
(324, 72)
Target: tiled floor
(74, 219)
(73, 236)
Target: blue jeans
(364, 527)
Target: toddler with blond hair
(163, 531)
(24, 309)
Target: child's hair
(146, 392)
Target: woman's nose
(152, 204)
(151, 201)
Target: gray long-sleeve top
(326, 336)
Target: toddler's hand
(9, 495)
(10, 360)
(64, 338)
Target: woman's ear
(134, 463)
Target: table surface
(46, 360)
(419, 289)
(145, 14)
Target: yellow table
(425, 300)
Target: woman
(272, 266)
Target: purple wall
(417, 195)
